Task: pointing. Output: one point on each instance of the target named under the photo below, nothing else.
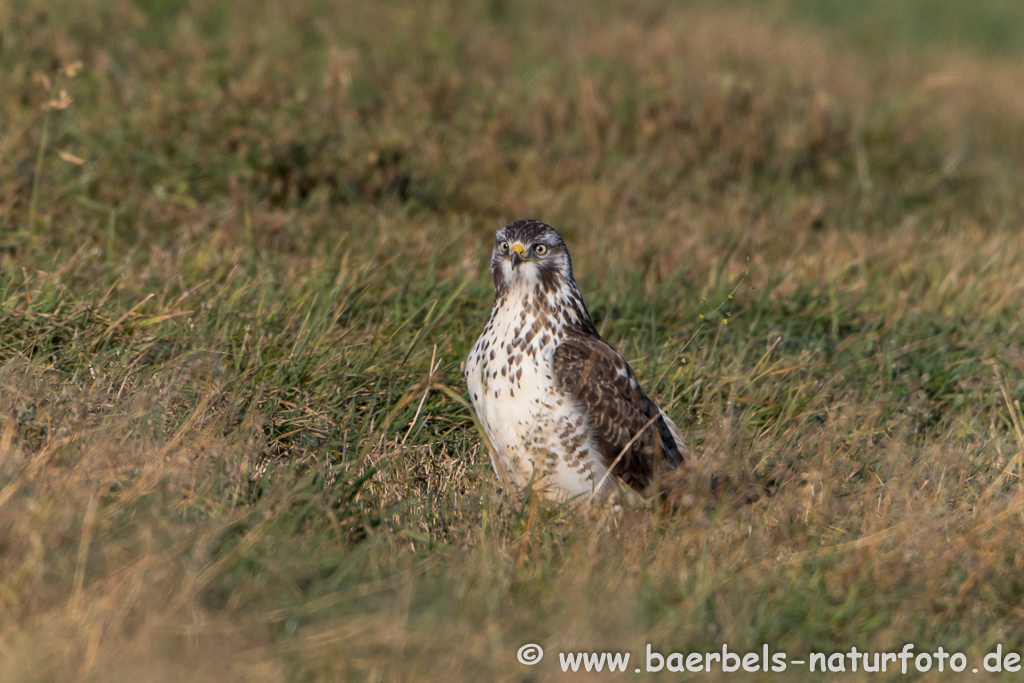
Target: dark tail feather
(673, 450)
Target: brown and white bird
(562, 410)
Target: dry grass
(233, 248)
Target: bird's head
(531, 256)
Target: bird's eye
(540, 249)
(504, 246)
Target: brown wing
(604, 386)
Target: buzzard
(562, 411)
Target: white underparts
(539, 436)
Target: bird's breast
(513, 354)
(535, 430)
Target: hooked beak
(516, 255)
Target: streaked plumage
(558, 404)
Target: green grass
(991, 27)
(240, 269)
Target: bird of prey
(561, 409)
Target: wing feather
(603, 385)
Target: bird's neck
(563, 305)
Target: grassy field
(243, 251)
